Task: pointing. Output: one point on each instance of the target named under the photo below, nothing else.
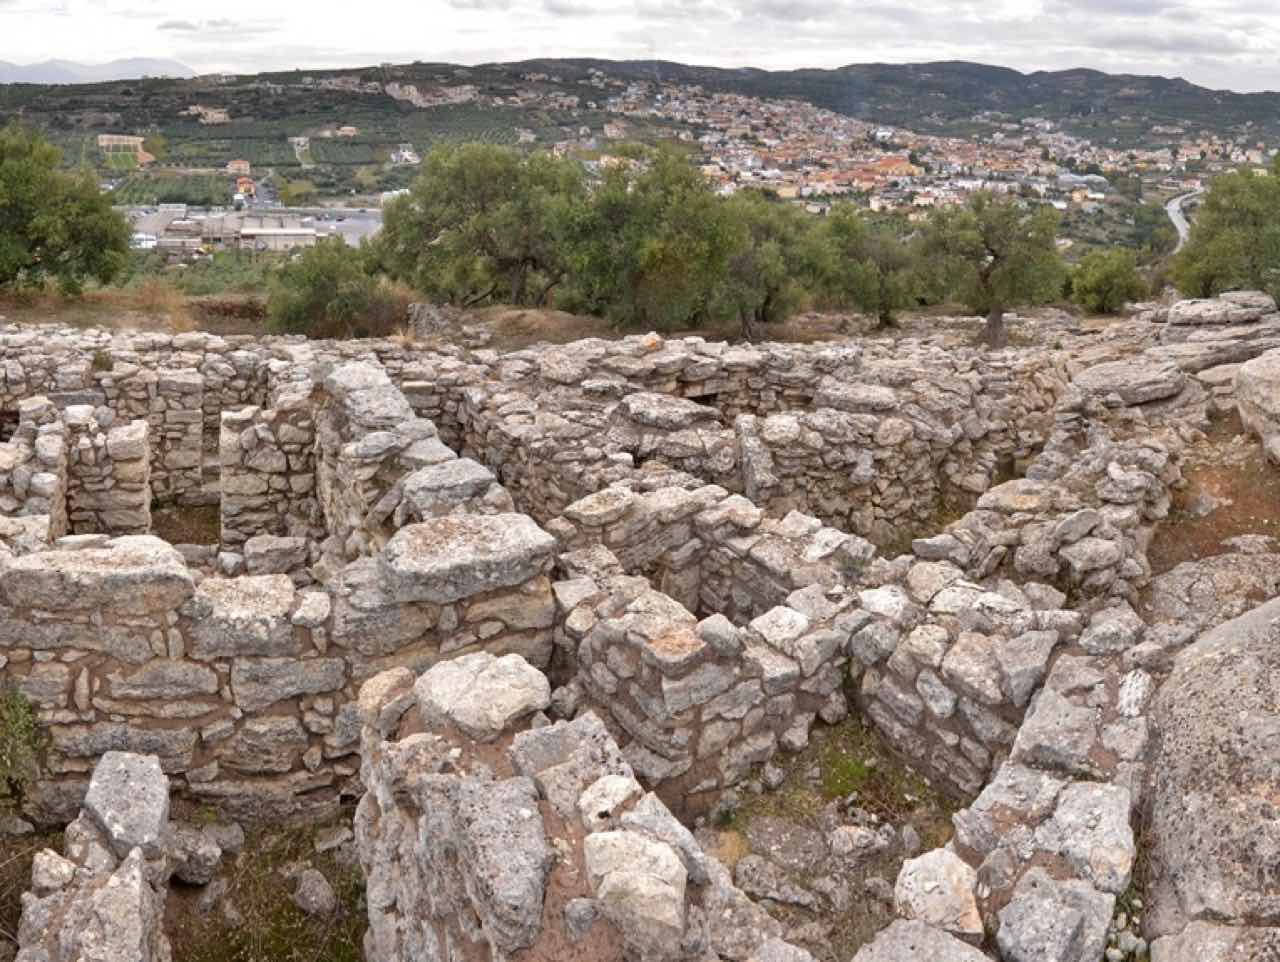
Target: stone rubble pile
(488, 832)
(102, 899)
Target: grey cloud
(479, 4)
(1125, 8)
(179, 25)
(1200, 42)
(571, 8)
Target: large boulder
(1233, 307)
(938, 888)
(1214, 780)
(482, 694)
(1134, 380)
(128, 798)
(1049, 920)
(1207, 592)
(1206, 942)
(1258, 400)
(447, 559)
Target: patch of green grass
(843, 774)
(271, 928)
(21, 743)
(119, 160)
(852, 757)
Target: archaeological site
(653, 649)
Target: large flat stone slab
(134, 574)
(1135, 380)
(445, 559)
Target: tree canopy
(54, 225)
(996, 254)
(1235, 237)
(647, 241)
(771, 263)
(1105, 280)
(329, 290)
(866, 265)
(653, 245)
(483, 222)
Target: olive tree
(54, 224)
(996, 254)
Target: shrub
(327, 291)
(1104, 281)
(19, 745)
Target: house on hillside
(238, 168)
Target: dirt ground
(187, 525)
(262, 923)
(157, 308)
(1232, 490)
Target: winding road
(1174, 210)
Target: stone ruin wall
(687, 632)
(869, 444)
(33, 468)
(244, 686)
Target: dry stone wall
(108, 473)
(243, 686)
(711, 550)
(870, 445)
(706, 510)
(1080, 519)
(33, 467)
(268, 471)
(699, 704)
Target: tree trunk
(477, 298)
(994, 334)
(750, 332)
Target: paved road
(1174, 210)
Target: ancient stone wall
(874, 446)
(108, 473)
(1080, 519)
(242, 686)
(379, 467)
(700, 703)
(268, 471)
(711, 550)
(33, 467)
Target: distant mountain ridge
(904, 94)
(70, 72)
(953, 98)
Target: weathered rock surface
(1135, 381)
(482, 694)
(1216, 722)
(1258, 400)
(913, 941)
(103, 900)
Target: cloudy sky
(1216, 43)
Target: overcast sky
(1216, 43)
